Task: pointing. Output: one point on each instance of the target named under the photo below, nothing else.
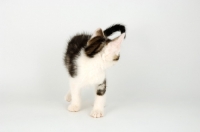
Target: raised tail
(114, 28)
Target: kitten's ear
(95, 44)
(114, 45)
(98, 34)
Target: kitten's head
(100, 44)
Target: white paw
(68, 97)
(73, 108)
(97, 113)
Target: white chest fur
(90, 71)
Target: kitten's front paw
(73, 108)
(97, 113)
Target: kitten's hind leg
(98, 109)
(68, 96)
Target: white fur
(98, 109)
(92, 71)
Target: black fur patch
(114, 28)
(95, 45)
(75, 45)
(101, 89)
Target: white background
(154, 87)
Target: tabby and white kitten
(87, 58)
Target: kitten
(87, 58)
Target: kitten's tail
(114, 28)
